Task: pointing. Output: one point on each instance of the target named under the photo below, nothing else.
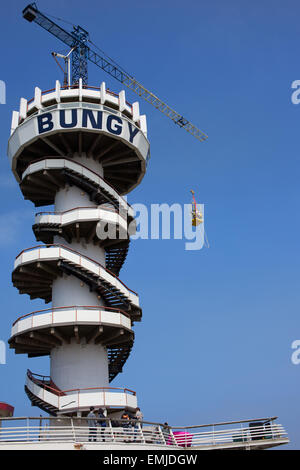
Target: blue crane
(78, 40)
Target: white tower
(81, 149)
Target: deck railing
(76, 87)
(75, 308)
(41, 380)
(239, 434)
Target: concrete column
(69, 290)
(79, 366)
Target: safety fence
(247, 433)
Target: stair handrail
(64, 392)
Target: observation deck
(70, 434)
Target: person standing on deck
(92, 424)
(102, 422)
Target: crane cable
(56, 18)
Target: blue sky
(218, 324)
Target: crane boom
(78, 39)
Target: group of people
(96, 420)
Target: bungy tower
(81, 149)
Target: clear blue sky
(215, 340)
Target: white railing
(88, 96)
(101, 215)
(81, 214)
(81, 398)
(244, 434)
(71, 433)
(95, 94)
(80, 315)
(238, 436)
